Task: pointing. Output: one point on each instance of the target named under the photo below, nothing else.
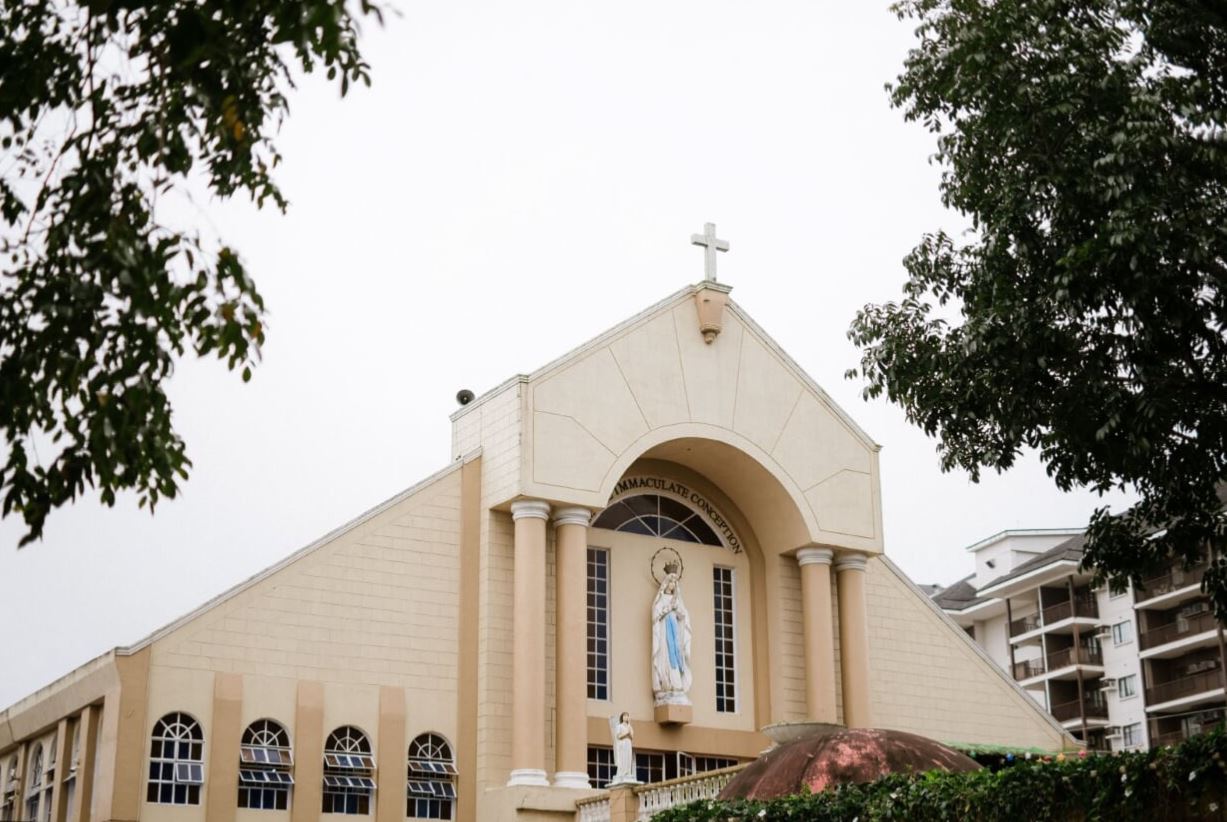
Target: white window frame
(591, 686)
(1122, 633)
(732, 627)
(1131, 735)
(1127, 683)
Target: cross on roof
(710, 246)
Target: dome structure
(819, 761)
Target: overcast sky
(519, 178)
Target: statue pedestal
(674, 714)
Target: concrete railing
(595, 809)
(640, 803)
(660, 796)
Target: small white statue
(671, 635)
(624, 758)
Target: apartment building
(1119, 670)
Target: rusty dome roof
(851, 755)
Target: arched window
(348, 771)
(176, 756)
(34, 783)
(432, 778)
(657, 516)
(265, 759)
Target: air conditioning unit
(1107, 684)
(1104, 632)
(1113, 732)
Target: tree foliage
(1083, 313)
(106, 106)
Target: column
(853, 639)
(528, 650)
(571, 648)
(225, 734)
(87, 724)
(819, 631)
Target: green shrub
(1186, 782)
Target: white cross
(710, 246)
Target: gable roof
(659, 307)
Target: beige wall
(569, 431)
(930, 678)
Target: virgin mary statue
(670, 644)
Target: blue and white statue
(671, 633)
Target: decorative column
(571, 648)
(528, 650)
(819, 632)
(853, 639)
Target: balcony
(1082, 607)
(1177, 629)
(1056, 661)
(1191, 726)
(1085, 607)
(1025, 625)
(1170, 580)
(1184, 686)
(1074, 656)
(1095, 705)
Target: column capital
(572, 515)
(530, 509)
(814, 556)
(851, 562)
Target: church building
(671, 521)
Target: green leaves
(1083, 140)
(103, 108)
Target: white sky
(519, 178)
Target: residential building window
(1122, 632)
(70, 774)
(598, 623)
(1127, 686)
(348, 769)
(1131, 735)
(34, 783)
(176, 761)
(432, 778)
(725, 640)
(655, 516)
(601, 768)
(48, 782)
(265, 763)
(8, 790)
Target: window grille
(431, 782)
(601, 768)
(348, 769)
(725, 640)
(655, 516)
(176, 769)
(265, 759)
(598, 623)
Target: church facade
(672, 521)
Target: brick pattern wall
(494, 427)
(791, 667)
(377, 605)
(928, 678)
